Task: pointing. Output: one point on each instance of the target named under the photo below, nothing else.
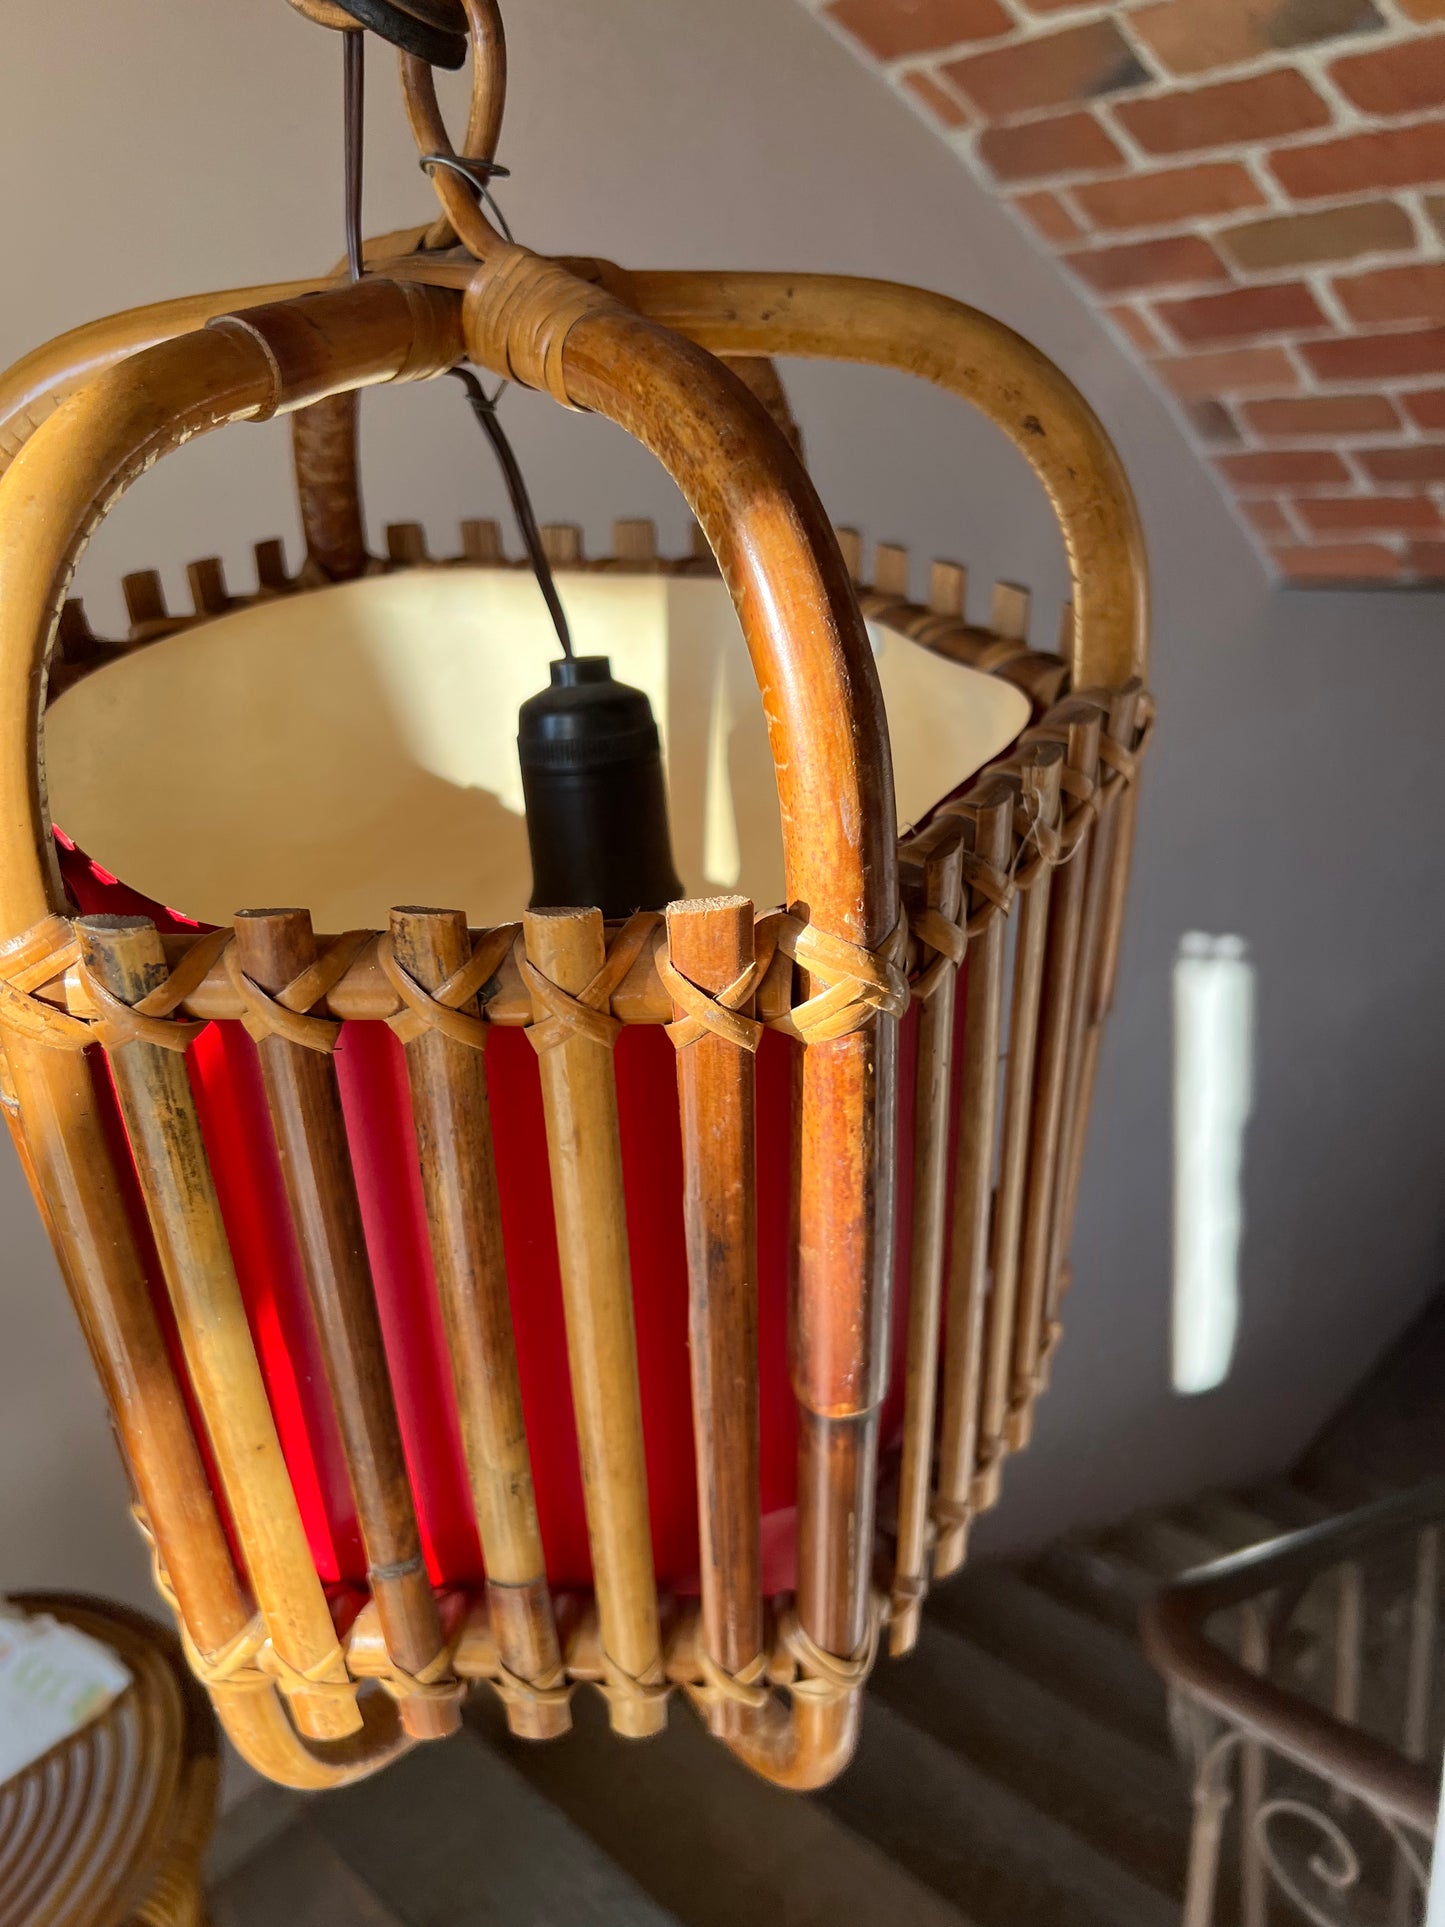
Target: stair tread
(1230, 1522)
(1124, 1797)
(1002, 1858)
(453, 1836)
(1073, 1651)
(707, 1838)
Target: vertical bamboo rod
(1078, 722)
(323, 443)
(66, 1157)
(710, 942)
(932, 883)
(1039, 781)
(273, 947)
(986, 819)
(579, 1096)
(1103, 903)
(448, 1082)
(125, 957)
(841, 1327)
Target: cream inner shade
(355, 747)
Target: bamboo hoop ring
(463, 216)
(429, 29)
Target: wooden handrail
(1178, 1646)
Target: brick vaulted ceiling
(1252, 192)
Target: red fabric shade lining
(225, 1075)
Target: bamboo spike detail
(207, 579)
(271, 575)
(124, 955)
(482, 542)
(890, 569)
(562, 544)
(145, 603)
(850, 547)
(947, 589)
(635, 540)
(1009, 612)
(406, 545)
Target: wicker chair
(550, 1301)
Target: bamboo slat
(62, 1147)
(710, 943)
(932, 884)
(459, 1181)
(985, 816)
(1039, 781)
(1076, 723)
(273, 948)
(579, 1096)
(1098, 951)
(124, 955)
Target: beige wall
(149, 148)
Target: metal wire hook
(478, 175)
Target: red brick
(1238, 371)
(1348, 562)
(891, 29)
(1389, 157)
(1387, 357)
(1285, 468)
(1426, 408)
(936, 99)
(1417, 462)
(1063, 144)
(1140, 333)
(1358, 514)
(1407, 78)
(1331, 234)
(1281, 308)
(1191, 36)
(1435, 207)
(1172, 194)
(1047, 213)
(1054, 70)
(1415, 293)
(1426, 559)
(1284, 418)
(1425, 11)
(1263, 107)
(1171, 262)
(1267, 518)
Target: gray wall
(1289, 799)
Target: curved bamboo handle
(889, 325)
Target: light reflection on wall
(1213, 1092)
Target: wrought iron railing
(1304, 1684)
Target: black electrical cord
(354, 143)
(484, 407)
